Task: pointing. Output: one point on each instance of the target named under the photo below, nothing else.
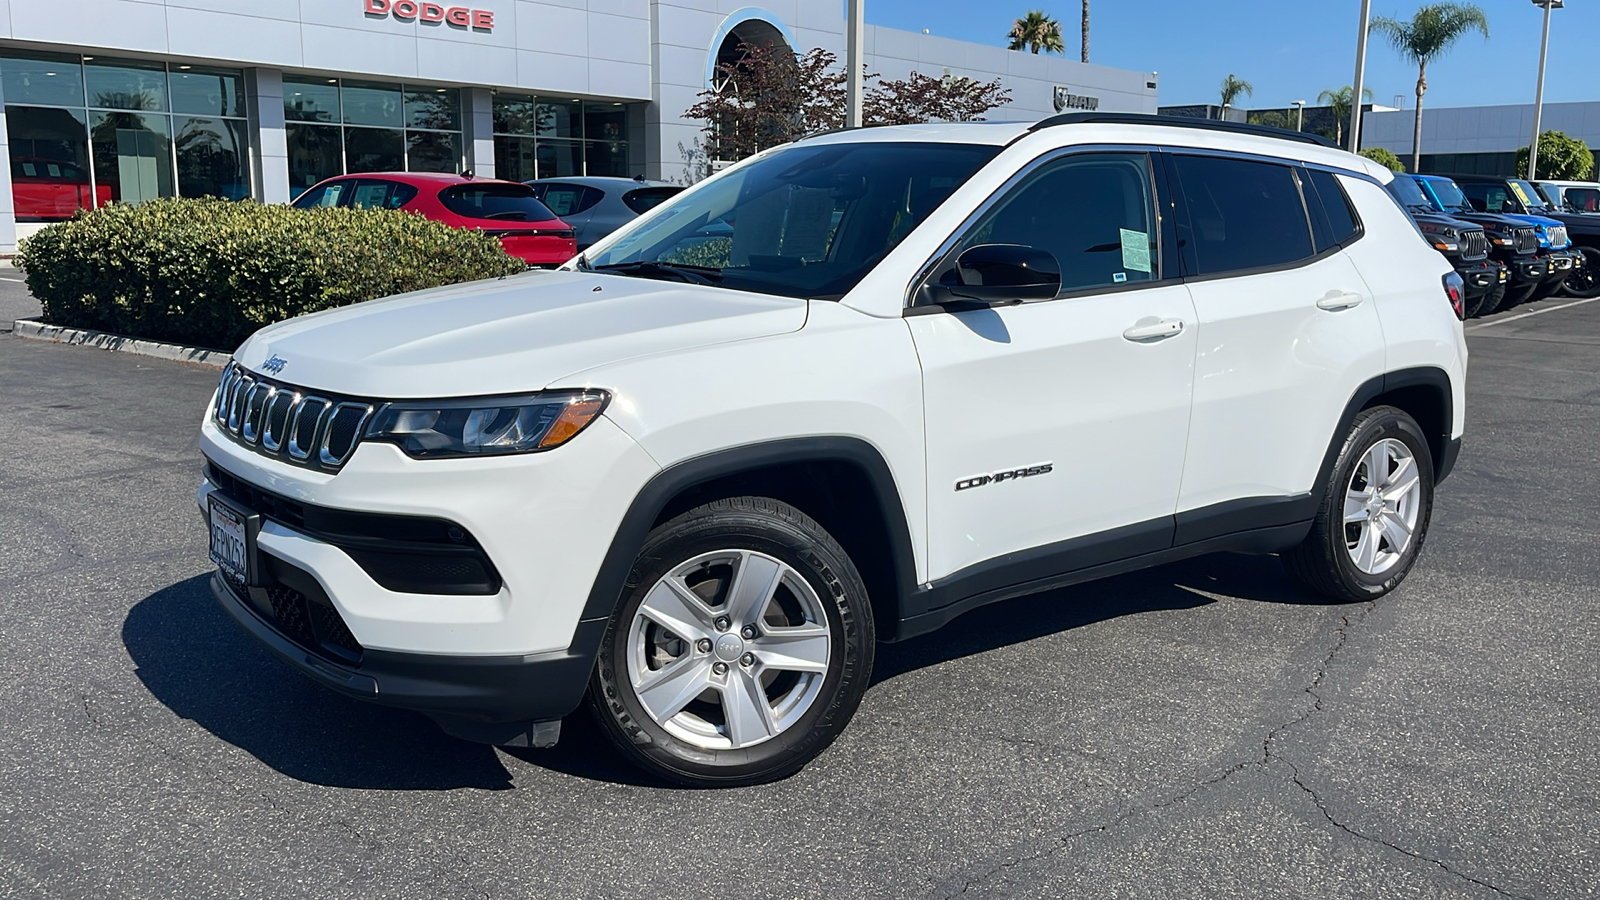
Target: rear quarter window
(499, 202)
(645, 199)
(1332, 210)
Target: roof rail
(1113, 118)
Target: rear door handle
(1334, 301)
(1150, 332)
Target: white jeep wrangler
(840, 393)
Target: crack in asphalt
(1260, 763)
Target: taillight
(1455, 290)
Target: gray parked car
(597, 206)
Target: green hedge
(210, 272)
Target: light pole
(1361, 76)
(1538, 96)
(1299, 115)
(855, 52)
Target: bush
(210, 272)
(1561, 158)
(1384, 158)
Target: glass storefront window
(514, 158)
(50, 163)
(606, 158)
(207, 92)
(212, 156)
(374, 150)
(315, 152)
(132, 155)
(126, 85)
(366, 103)
(433, 151)
(43, 79)
(311, 101)
(436, 110)
(515, 115)
(557, 118)
(558, 158)
(605, 122)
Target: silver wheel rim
(729, 649)
(1381, 505)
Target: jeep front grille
(1474, 245)
(1527, 240)
(314, 429)
(1557, 235)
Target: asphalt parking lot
(1199, 730)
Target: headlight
(486, 426)
(1442, 237)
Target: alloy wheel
(1381, 505)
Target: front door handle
(1334, 301)
(1150, 332)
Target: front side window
(381, 195)
(1095, 213)
(805, 221)
(334, 193)
(1242, 214)
(1490, 198)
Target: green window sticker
(1135, 250)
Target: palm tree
(1432, 31)
(1037, 31)
(1232, 87)
(1085, 30)
(1338, 102)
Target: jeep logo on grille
(274, 365)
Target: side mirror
(1003, 274)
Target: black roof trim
(1111, 118)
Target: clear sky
(1289, 50)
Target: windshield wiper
(652, 269)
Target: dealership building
(128, 100)
(1477, 140)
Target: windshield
(1405, 190)
(803, 222)
(1451, 196)
(1529, 197)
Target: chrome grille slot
(1527, 240)
(255, 407)
(275, 424)
(236, 403)
(344, 427)
(1474, 245)
(1558, 237)
(307, 421)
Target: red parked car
(505, 209)
(48, 190)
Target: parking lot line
(1537, 312)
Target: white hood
(511, 335)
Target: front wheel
(1374, 512)
(1584, 282)
(741, 648)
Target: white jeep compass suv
(840, 393)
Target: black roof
(1111, 118)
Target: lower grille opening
(297, 607)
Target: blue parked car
(1519, 201)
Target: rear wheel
(1374, 512)
(1584, 282)
(741, 649)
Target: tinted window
(1241, 214)
(1581, 199)
(809, 220)
(507, 202)
(382, 195)
(1525, 192)
(1336, 211)
(568, 199)
(1094, 212)
(1494, 198)
(1408, 193)
(645, 199)
(328, 194)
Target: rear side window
(645, 199)
(1242, 214)
(382, 195)
(568, 199)
(1332, 216)
(505, 202)
(331, 194)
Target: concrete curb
(34, 330)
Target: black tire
(1585, 282)
(1476, 305)
(1493, 301)
(1322, 562)
(1547, 289)
(1519, 295)
(776, 530)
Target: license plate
(230, 543)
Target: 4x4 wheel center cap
(728, 648)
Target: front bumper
(509, 700)
(1526, 269)
(1561, 263)
(1481, 276)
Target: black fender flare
(647, 505)
(1433, 377)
